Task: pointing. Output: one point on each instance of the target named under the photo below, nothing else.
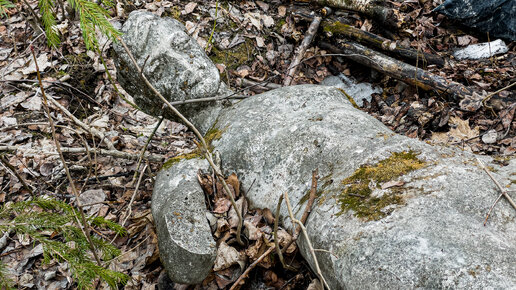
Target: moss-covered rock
(358, 193)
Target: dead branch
(71, 150)
(370, 39)
(83, 224)
(308, 243)
(502, 190)
(251, 267)
(397, 69)
(372, 9)
(204, 147)
(310, 33)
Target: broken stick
(373, 9)
(370, 39)
(312, 30)
(397, 69)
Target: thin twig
(57, 83)
(92, 130)
(312, 30)
(11, 168)
(313, 195)
(127, 252)
(71, 150)
(308, 243)
(491, 209)
(251, 267)
(144, 149)
(214, 25)
(276, 241)
(206, 151)
(113, 83)
(129, 210)
(85, 228)
(494, 93)
(502, 190)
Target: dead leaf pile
(233, 259)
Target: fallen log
(372, 9)
(370, 39)
(397, 69)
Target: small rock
(50, 275)
(490, 137)
(481, 50)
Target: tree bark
(382, 43)
(397, 69)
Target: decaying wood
(312, 30)
(372, 9)
(373, 40)
(397, 69)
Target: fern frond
(4, 5)
(93, 16)
(40, 216)
(49, 22)
(5, 282)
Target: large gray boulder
(393, 212)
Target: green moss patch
(178, 158)
(234, 57)
(213, 134)
(357, 194)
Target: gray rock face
(176, 66)
(426, 231)
(433, 238)
(186, 246)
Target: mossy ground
(235, 57)
(213, 134)
(357, 194)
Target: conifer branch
(4, 5)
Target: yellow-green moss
(178, 158)
(351, 100)
(234, 57)
(356, 195)
(174, 12)
(213, 134)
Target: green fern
(49, 21)
(5, 282)
(4, 5)
(91, 16)
(38, 217)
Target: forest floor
(251, 41)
